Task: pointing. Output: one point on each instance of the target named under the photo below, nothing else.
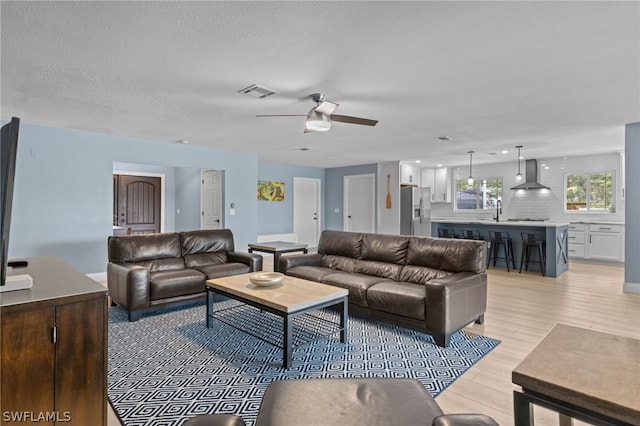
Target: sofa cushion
(199, 260)
(385, 248)
(133, 248)
(347, 401)
(166, 284)
(311, 273)
(357, 284)
(421, 274)
(340, 263)
(206, 247)
(378, 269)
(166, 264)
(224, 269)
(447, 254)
(347, 244)
(400, 298)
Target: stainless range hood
(531, 177)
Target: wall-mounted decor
(270, 191)
(388, 191)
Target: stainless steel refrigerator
(415, 211)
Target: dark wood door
(28, 364)
(80, 362)
(137, 203)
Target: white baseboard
(631, 288)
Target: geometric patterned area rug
(168, 366)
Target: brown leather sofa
(347, 402)
(436, 285)
(152, 271)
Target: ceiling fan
(321, 116)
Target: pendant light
(470, 180)
(519, 175)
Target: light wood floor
(522, 308)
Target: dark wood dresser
(53, 344)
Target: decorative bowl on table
(267, 279)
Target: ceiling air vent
(257, 91)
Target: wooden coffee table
(582, 374)
(293, 297)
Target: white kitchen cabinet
(576, 240)
(596, 241)
(605, 242)
(439, 180)
(409, 175)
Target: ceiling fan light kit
(316, 122)
(320, 117)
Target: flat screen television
(8, 153)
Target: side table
(277, 248)
(582, 374)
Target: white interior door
(212, 194)
(306, 210)
(359, 209)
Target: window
(482, 195)
(589, 192)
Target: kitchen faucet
(498, 210)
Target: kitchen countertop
(598, 222)
(528, 223)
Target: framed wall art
(270, 191)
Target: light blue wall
(276, 217)
(632, 200)
(188, 195)
(335, 192)
(63, 190)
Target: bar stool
(501, 239)
(472, 234)
(447, 233)
(529, 242)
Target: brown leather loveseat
(436, 285)
(152, 271)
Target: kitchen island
(555, 234)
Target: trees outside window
(589, 192)
(482, 195)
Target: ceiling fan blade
(327, 107)
(281, 115)
(353, 120)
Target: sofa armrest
(253, 260)
(288, 262)
(464, 420)
(454, 301)
(128, 285)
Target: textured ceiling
(559, 78)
